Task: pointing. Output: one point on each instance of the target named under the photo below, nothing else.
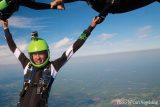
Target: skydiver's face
(39, 57)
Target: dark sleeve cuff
(89, 30)
(6, 30)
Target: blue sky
(136, 30)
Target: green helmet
(38, 45)
(3, 4)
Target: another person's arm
(19, 55)
(72, 49)
(35, 5)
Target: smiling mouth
(39, 62)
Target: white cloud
(106, 36)
(157, 37)
(63, 42)
(59, 47)
(4, 51)
(102, 39)
(7, 56)
(25, 22)
(22, 44)
(143, 32)
(21, 22)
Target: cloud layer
(143, 32)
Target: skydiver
(39, 71)
(8, 7)
(104, 7)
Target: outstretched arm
(72, 49)
(35, 5)
(22, 58)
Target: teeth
(39, 61)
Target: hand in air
(4, 23)
(95, 21)
(57, 3)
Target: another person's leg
(68, 1)
(103, 8)
(122, 6)
(60, 3)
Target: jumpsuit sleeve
(19, 55)
(68, 1)
(34, 5)
(58, 63)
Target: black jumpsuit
(115, 6)
(31, 98)
(14, 6)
